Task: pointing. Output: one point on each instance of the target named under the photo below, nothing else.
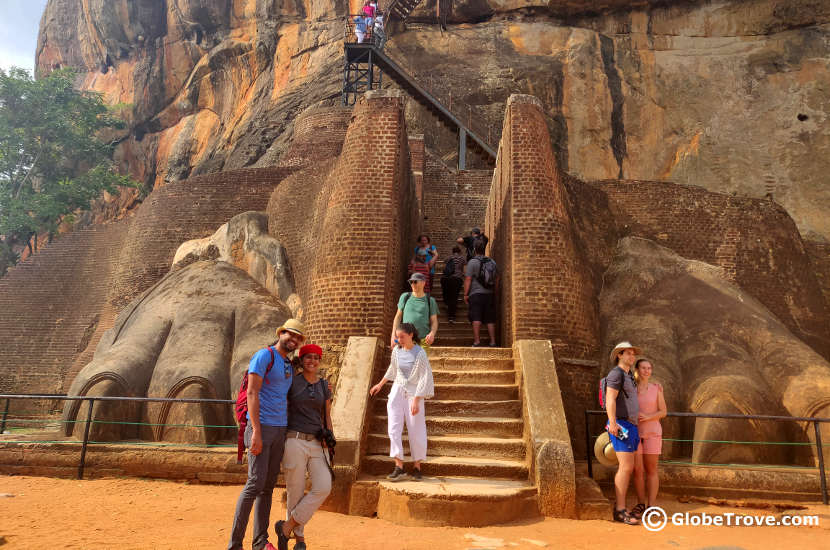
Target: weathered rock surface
(715, 349)
(189, 336)
(730, 95)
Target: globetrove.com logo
(655, 519)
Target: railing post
(588, 445)
(86, 439)
(462, 148)
(821, 474)
(5, 415)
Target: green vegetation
(53, 159)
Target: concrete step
(457, 466)
(460, 425)
(482, 392)
(471, 353)
(474, 377)
(470, 363)
(464, 408)
(445, 501)
(446, 445)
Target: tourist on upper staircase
(622, 407)
(269, 378)
(424, 243)
(420, 264)
(309, 414)
(379, 33)
(469, 242)
(369, 11)
(418, 308)
(652, 408)
(452, 280)
(481, 283)
(412, 375)
(360, 28)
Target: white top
(418, 381)
(379, 22)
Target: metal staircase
(402, 8)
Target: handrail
(814, 419)
(462, 114)
(91, 399)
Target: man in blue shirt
(265, 433)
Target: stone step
(446, 501)
(590, 502)
(464, 408)
(460, 425)
(445, 445)
(472, 353)
(453, 466)
(481, 392)
(474, 377)
(470, 363)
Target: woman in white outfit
(413, 384)
(309, 405)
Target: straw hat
(292, 325)
(604, 451)
(622, 346)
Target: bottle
(623, 434)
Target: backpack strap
(270, 365)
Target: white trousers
(398, 413)
(303, 456)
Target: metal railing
(437, 87)
(816, 421)
(89, 421)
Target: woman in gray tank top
(309, 406)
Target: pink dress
(651, 433)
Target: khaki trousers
(303, 456)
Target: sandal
(282, 539)
(623, 516)
(637, 511)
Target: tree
(53, 160)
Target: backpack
(603, 387)
(241, 408)
(429, 302)
(487, 273)
(449, 267)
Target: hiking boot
(397, 474)
(416, 474)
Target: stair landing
(476, 471)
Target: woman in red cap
(309, 411)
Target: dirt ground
(38, 512)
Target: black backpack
(487, 273)
(449, 267)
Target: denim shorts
(628, 445)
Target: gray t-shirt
(307, 404)
(473, 267)
(627, 407)
(406, 360)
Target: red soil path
(143, 514)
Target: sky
(19, 21)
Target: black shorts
(482, 308)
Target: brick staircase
(476, 471)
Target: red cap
(311, 348)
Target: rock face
(718, 351)
(730, 95)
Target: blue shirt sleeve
(259, 362)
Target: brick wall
(454, 202)
(359, 262)
(51, 308)
(755, 241)
(318, 134)
(550, 290)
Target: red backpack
(603, 387)
(242, 408)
